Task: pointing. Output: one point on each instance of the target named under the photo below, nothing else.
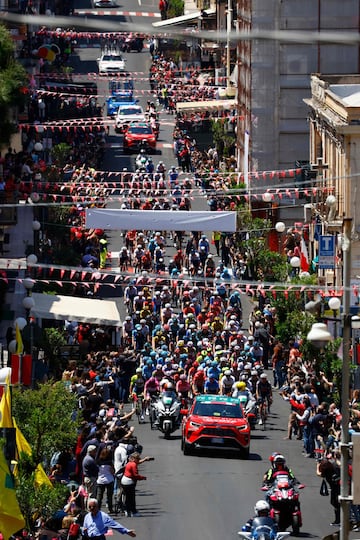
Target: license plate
(217, 440)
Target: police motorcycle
(165, 412)
(263, 529)
(142, 158)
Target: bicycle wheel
(263, 416)
(139, 410)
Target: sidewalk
(190, 7)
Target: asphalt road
(208, 496)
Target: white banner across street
(162, 220)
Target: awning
(159, 220)
(189, 17)
(87, 310)
(209, 105)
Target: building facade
(274, 76)
(334, 122)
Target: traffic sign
(326, 251)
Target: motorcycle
(141, 160)
(283, 497)
(250, 407)
(263, 529)
(165, 414)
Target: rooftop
(348, 93)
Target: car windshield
(120, 99)
(132, 110)
(220, 410)
(111, 58)
(140, 130)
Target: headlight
(241, 428)
(195, 425)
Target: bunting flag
(23, 446)
(19, 341)
(5, 407)
(11, 519)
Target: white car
(111, 63)
(127, 114)
(103, 3)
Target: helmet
(170, 386)
(241, 385)
(138, 370)
(183, 377)
(279, 460)
(263, 376)
(261, 507)
(272, 457)
(227, 373)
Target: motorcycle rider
(167, 392)
(141, 159)
(262, 517)
(278, 466)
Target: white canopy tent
(206, 105)
(183, 19)
(87, 310)
(163, 220)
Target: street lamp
(334, 305)
(280, 228)
(295, 265)
(319, 335)
(36, 226)
(267, 197)
(355, 325)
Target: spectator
(97, 523)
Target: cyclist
(183, 387)
(137, 386)
(151, 389)
(211, 385)
(226, 383)
(263, 395)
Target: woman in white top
(105, 479)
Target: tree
(224, 143)
(175, 9)
(54, 339)
(46, 418)
(34, 502)
(265, 265)
(60, 154)
(13, 85)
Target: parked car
(127, 114)
(215, 421)
(139, 135)
(111, 63)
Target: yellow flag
(11, 519)
(19, 341)
(5, 406)
(23, 446)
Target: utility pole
(228, 34)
